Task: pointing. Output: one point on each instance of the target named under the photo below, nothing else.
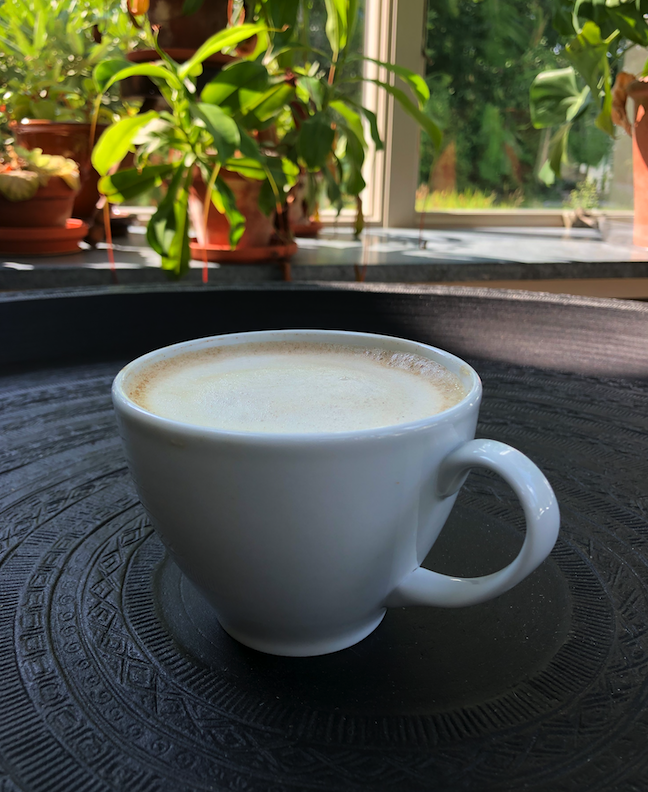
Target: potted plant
(193, 146)
(597, 36)
(325, 130)
(48, 49)
(281, 109)
(37, 194)
(182, 26)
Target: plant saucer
(43, 240)
(310, 229)
(248, 255)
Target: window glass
(481, 59)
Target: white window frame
(395, 31)
(391, 175)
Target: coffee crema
(295, 387)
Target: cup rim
(459, 366)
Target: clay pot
(259, 229)
(69, 140)
(50, 207)
(188, 31)
(638, 90)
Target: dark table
(114, 674)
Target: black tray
(114, 674)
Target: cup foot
(307, 648)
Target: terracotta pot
(259, 229)
(638, 90)
(50, 207)
(188, 31)
(69, 140)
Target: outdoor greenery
(482, 58)
(440, 200)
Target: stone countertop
(380, 256)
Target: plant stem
(210, 187)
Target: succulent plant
(22, 172)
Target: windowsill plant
(280, 110)
(36, 190)
(598, 34)
(48, 50)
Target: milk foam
(295, 388)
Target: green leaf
(556, 98)
(168, 230)
(352, 19)
(352, 119)
(124, 185)
(248, 146)
(425, 122)
(414, 81)
(267, 199)
(116, 141)
(283, 172)
(373, 126)
(314, 89)
(558, 148)
(243, 74)
(271, 103)
(229, 37)
(315, 142)
(336, 29)
(588, 54)
(614, 18)
(163, 73)
(220, 126)
(19, 185)
(604, 118)
(44, 109)
(546, 175)
(282, 19)
(75, 39)
(106, 70)
(354, 182)
(234, 217)
(333, 191)
(250, 168)
(98, 53)
(40, 30)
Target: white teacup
(301, 540)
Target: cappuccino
(295, 388)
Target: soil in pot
(50, 207)
(70, 140)
(259, 229)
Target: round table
(114, 673)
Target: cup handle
(424, 587)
